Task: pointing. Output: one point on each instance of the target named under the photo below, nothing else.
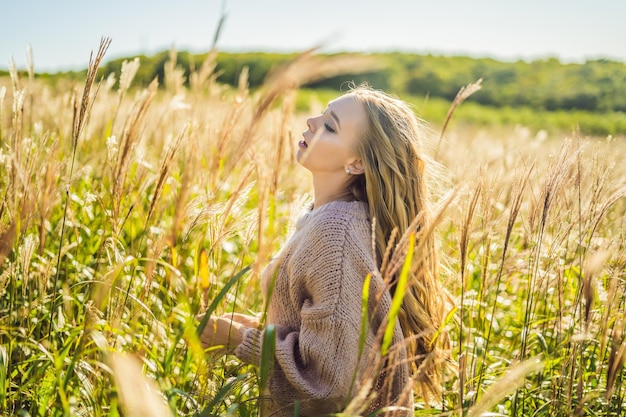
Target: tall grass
(126, 210)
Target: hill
(596, 87)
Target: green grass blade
(270, 292)
(365, 296)
(267, 356)
(444, 323)
(221, 395)
(398, 296)
(364, 319)
(219, 298)
(4, 386)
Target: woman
(365, 157)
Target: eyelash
(330, 129)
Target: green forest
(544, 93)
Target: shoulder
(332, 258)
(336, 229)
(338, 218)
(332, 237)
(348, 209)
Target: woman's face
(329, 143)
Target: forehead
(348, 109)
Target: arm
(226, 330)
(315, 363)
(311, 365)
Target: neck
(330, 187)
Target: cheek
(331, 149)
(323, 155)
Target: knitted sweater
(315, 307)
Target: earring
(348, 171)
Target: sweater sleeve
(315, 364)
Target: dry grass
(125, 213)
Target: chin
(301, 156)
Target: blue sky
(62, 33)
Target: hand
(222, 332)
(246, 320)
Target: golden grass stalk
(591, 268)
(221, 164)
(220, 25)
(174, 76)
(26, 251)
(466, 227)
(430, 302)
(206, 76)
(164, 171)
(462, 95)
(559, 171)
(3, 92)
(47, 193)
(397, 259)
(139, 395)
(127, 73)
(383, 357)
(130, 136)
(30, 65)
(512, 380)
(388, 250)
(608, 313)
(519, 187)
(242, 84)
(183, 194)
(284, 139)
(603, 209)
(617, 357)
(16, 140)
(154, 255)
(306, 68)
(15, 80)
(7, 239)
(80, 115)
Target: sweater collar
(358, 209)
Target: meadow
(127, 210)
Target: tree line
(547, 84)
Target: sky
(63, 33)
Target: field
(128, 210)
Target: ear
(356, 167)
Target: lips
(303, 144)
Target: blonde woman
(368, 169)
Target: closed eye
(330, 129)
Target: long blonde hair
(395, 187)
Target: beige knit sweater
(315, 307)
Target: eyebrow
(334, 116)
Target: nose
(310, 123)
